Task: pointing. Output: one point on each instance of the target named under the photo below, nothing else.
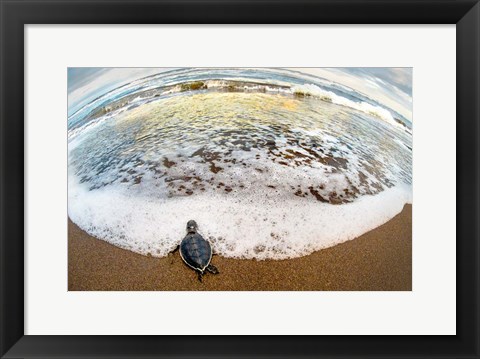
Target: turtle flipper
(212, 269)
(200, 276)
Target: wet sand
(378, 260)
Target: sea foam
(239, 228)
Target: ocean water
(270, 164)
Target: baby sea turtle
(196, 251)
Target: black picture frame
(17, 13)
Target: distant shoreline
(378, 260)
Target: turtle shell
(196, 251)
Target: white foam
(237, 227)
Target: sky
(389, 86)
(87, 83)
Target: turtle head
(192, 226)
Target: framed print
(295, 186)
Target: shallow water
(267, 171)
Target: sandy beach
(376, 261)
